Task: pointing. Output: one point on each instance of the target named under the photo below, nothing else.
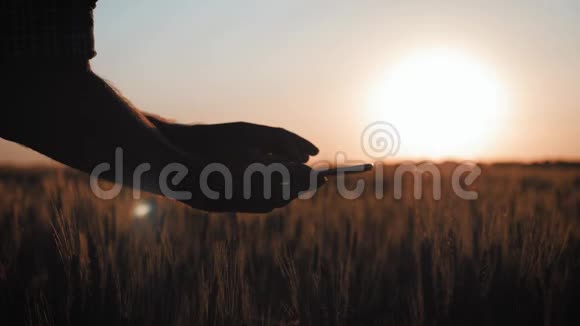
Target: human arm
(75, 117)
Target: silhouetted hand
(239, 140)
(247, 191)
(239, 146)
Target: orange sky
(311, 67)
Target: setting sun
(443, 102)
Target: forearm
(77, 119)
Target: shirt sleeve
(40, 29)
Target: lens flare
(142, 209)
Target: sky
(314, 67)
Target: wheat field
(510, 257)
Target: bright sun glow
(443, 103)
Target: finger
(288, 144)
(306, 145)
(277, 141)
